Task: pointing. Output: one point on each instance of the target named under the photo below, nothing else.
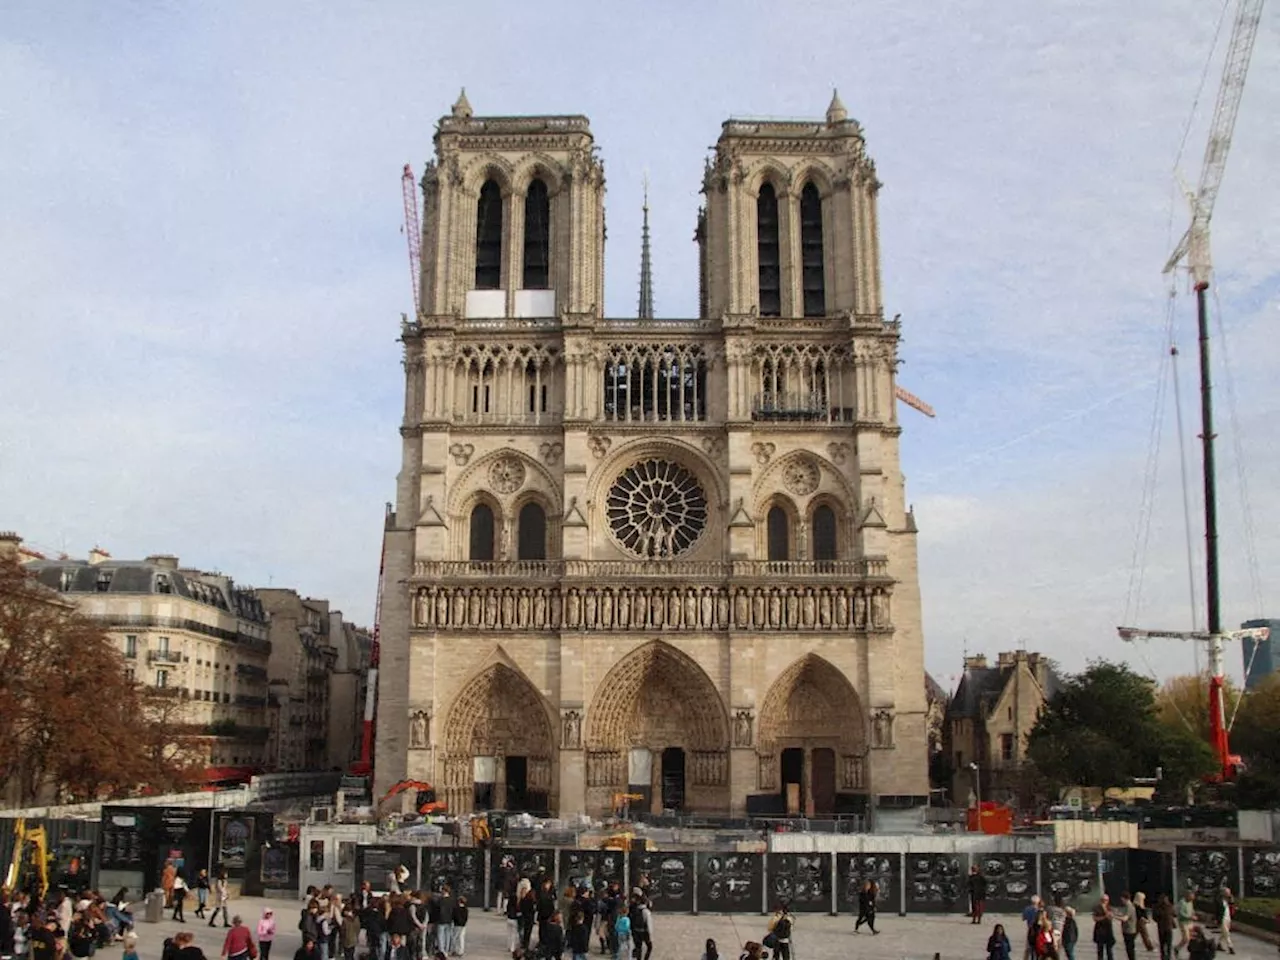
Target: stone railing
(689, 605)
(868, 568)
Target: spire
(836, 113)
(462, 106)
(646, 266)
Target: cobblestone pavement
(682, 936)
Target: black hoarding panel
(1150, 872)
(882, 869)
(801, 879)
(936, 883)
(461, 869)
(535, 863)
(1011, 880)
(1206, 870)
(730, 882)
(120, 844)
(376, 863)
(669, 878)
(591, 868)
(1262, 872)
(1071, 876)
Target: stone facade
(664, 557)
(188, 632)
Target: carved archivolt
(657, 697)
(813, 704)
(499, 713)
(666, 608)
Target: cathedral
(669, 560)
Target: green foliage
(1102, 729)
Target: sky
(202, 273)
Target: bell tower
(513, 218)
(790, 220)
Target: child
(130, 946)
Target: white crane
(1193, 248)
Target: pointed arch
(812, 263)
(489, 236)
(812, 703)
(768, 251)
(657, 696)
(537, 236)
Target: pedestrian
(179, 897)
(1058, 919)
(867, 907)
(528, 916)
(166, 881)
(641, 929)
(1199, 946)
(1104, 934)
(130, 949)
(578, 936)
(202, 892)
(622, 932)
(512, 911)
(1031, 917)
(998, 947)
(461, 914)
(710, 951)
(1166, 922)
(751, 951)
(1226, 911)
(779, 937)
(1070, 933)
(1144, 914)
(308, 950)
(977, 895)
(221, 894)
(397, 949)
(1186, 919)
(1045, 947)
(1127, 914)
(266, 932)
(445, 924)
(551, 938)
(238, 943)
(350, 932)
(184, 947)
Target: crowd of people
(1053, 933)
(68, 919)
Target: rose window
(657, 509)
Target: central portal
(673, 778)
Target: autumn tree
(75, 727)
(1256, 738)
(1183, 702)
(1103, 729)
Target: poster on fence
(668, 877)
(1262, 872)
(730, 882)
(462, 870)
(803, 880)
(853, 870)
(1011, 880)
(1206, 870)
(1071, 876)
(936, 883)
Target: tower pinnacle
(836, 113)
(462, 106)
(646, 264)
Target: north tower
(666, 557)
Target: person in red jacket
(239, 943)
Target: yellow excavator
(30, 865)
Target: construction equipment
(622, 804)
(911, 400)
(364, 766)
(424, 803)
(412, 233)
(1193, 248)
(29, 869)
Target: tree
(75, 727)
(1255, 738)
(1102, 729)
(1183, 702)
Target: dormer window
(104, 581)
(65, 580)
(162, 583)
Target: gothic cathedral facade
(670, 559)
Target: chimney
(977, 662)
(10, 543)
(1006, 660)
(165, 561)
(97, 555)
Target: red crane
(412, 233)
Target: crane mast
(1193, 249)
(412, 234)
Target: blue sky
(202, 271)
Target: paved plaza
(682, 936)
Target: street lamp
(977, 788)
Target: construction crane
(412, 233)
(911, 400)
(1193, 250)
(364, 766)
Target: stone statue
(592, 606)
(419, 730)
(742, 729)
(420, 608)
(758, 608)
(722, 608)
(490, 609)
(842, 609)
(574, 617)
(540, 608)
(522, 609)
(473, 608)
(657, 609)
(606, 609)
(741, 608)
(808, 608)
(824, 608)
(793, 607)
(673, 608)
(624, 608)
(639, 607)
(459, 615)
(690, 609)
(442, 608)
(557, 608)
(879, 609)
(508, 608)
(882, 728)
(572, 733)
(708, 606)
(859, 609)
(775, 609)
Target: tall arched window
(825, 542)
(779, 532)
(482, 532)
(537, 237)
(768, 252)
(489, 237)
(532, 533)
(815, 299)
